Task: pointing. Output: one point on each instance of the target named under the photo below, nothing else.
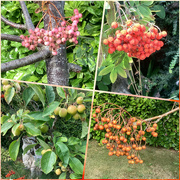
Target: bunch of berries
(55, 37)
(10, 173)
(135, 40)
(123, 136)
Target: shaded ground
(159, 163)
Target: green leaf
(122, 72)
(131, 3)
(111, 15)
(14, 149)
(43, 144)
(162, 12)
(106, 70)
(75, 176)
(6, 126)
(73, 140)
(113, 75)
(47, 162)
(76, 165)
(31, 129)
(38, 116)
(9, 94)
(73, 93)
(84, 129)
(126, 63)
(50, 95)
(62, 139)
(38, 90)
(144, 10)
(27, 95)
(62, 152)
(61, 92)
(147, 3)
(27, 148)
(62, 176)
(48, 110)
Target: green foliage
(159, 72)
(5, 155)
(168, 126)
(162, 67)
(83, 54)
(66, 137)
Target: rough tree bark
(57, 66)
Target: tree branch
(162, 115)
(11, 37)
(38, 56)
(18, 26)
(29, 23)
(14, 38)
(74, 67)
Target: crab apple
(62, 112)
(76, 116)
(44, 128)
(17, 132)
(72, 109)
(79, 100)
(58, 172)
(5, 82)
(81, 108)
(21, 127)
(56, 111)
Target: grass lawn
(159, 163)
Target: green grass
(159, 163)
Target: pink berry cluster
(55, 37)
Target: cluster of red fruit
(55, 37)
(135, 41)
(123, 137)
(10, 173)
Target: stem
(11, 37)
(18, 26)
(162, 115)
(118, 10)
(140, 83)
(29, 23)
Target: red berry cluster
(55, 37)
(135, 41)
(10, 173)
(123, 136)
(21, 177)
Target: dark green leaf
(27, 95)
(14, 149)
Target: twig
(11, 37)
(38, 56)
(18, 26)
(140, 83)
(29, 23)
(162, 115)
(74, 67)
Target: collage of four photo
(90, 89)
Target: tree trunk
(57, 66)
(120, 86)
